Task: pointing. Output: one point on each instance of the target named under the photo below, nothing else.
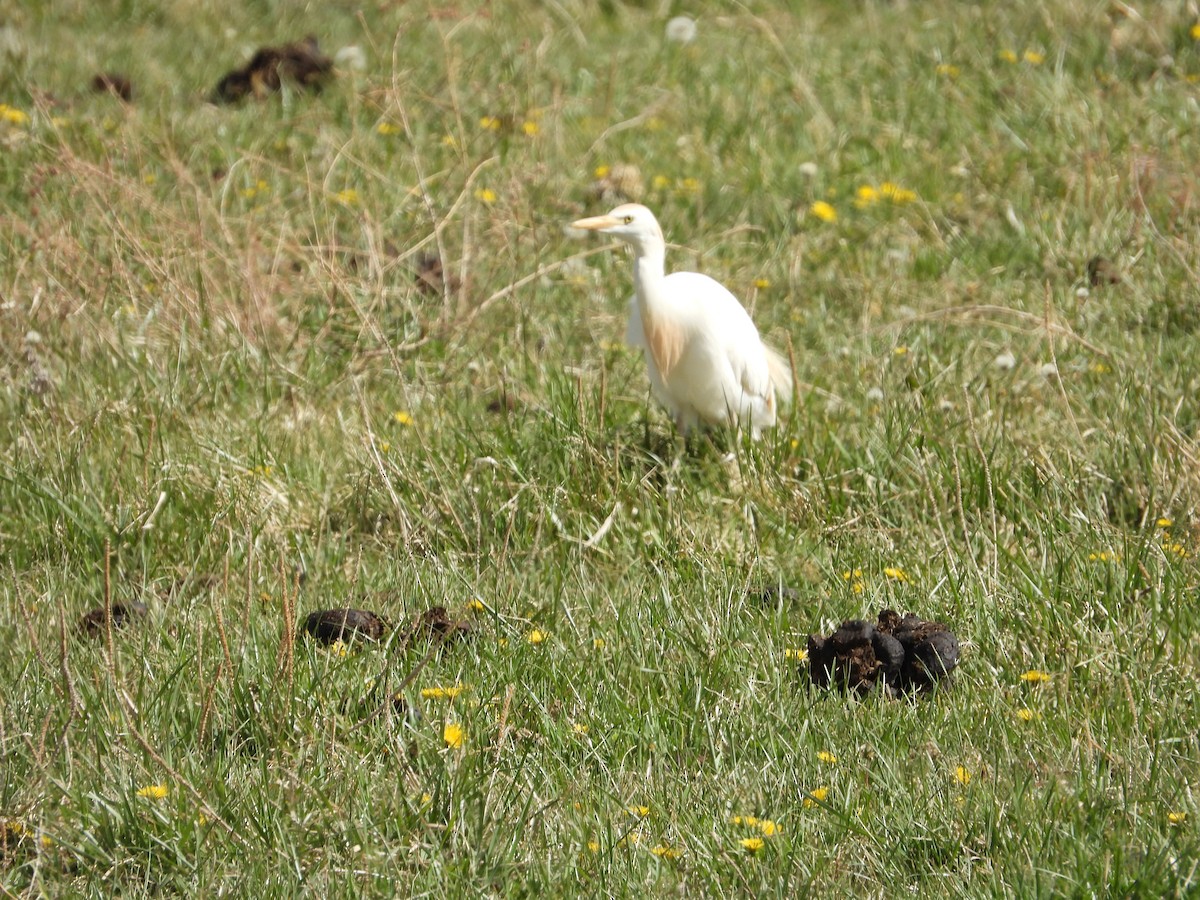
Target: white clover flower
(681, 30)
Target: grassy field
(224, 396)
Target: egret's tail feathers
(781, 376)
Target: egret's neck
(648, 275)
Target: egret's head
(631, 222)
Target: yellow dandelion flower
(1164, 522)
(597, 643)
(490, 123)
(402, 418)
(1034, 58)
(748, 821)
(897, 194)
(348, 197)
(440, 692)
(476, 605)
(852, 573)
(426, 798)
(865, 195)
(579, 728)
(858, 587)
(816, 797)
(601, 171)
(387, 128)
(338, 648)
(962, 775)
(46, 841)
(896, 574)
(823, 211)
(1026, 714)
(666, 852)
(1099, 368)
(1102, 556)
(13, 116)
(752, 844)
(660, 182)
(688, 186)
(153, 791)
(453, 735)
(530, 128)
(385, 446)
(799, 654)
(259, 187)
(486, 195)
(900, 351)
(1007, 56)
(1195, 32)
(536, 636)
(639, 811)
(1035, 676)
(629, 839)
(762, 283)
(769, 828)
(948, 70)
(449, 140)
(149, 178)
(1177, 818)
(794, 443)
(593, 846)
(826, 757)
(502, 642)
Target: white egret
(706, 360)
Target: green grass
(208, 341)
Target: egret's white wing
(723, 374)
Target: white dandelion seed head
(681, 30)
(351, 59)
(1048, 370)
(808, 169)
(875, 395)
(1005, 361)
(1082, 293)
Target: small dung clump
(328, 626)
(432, 278)
(898, 655)
(301, 64)
(435, 626)
(112, 83)
(93, 623)
(773, 595)
(1102, 272)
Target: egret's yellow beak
(596, 223)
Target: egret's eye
(628, 220)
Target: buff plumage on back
(665, 342)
